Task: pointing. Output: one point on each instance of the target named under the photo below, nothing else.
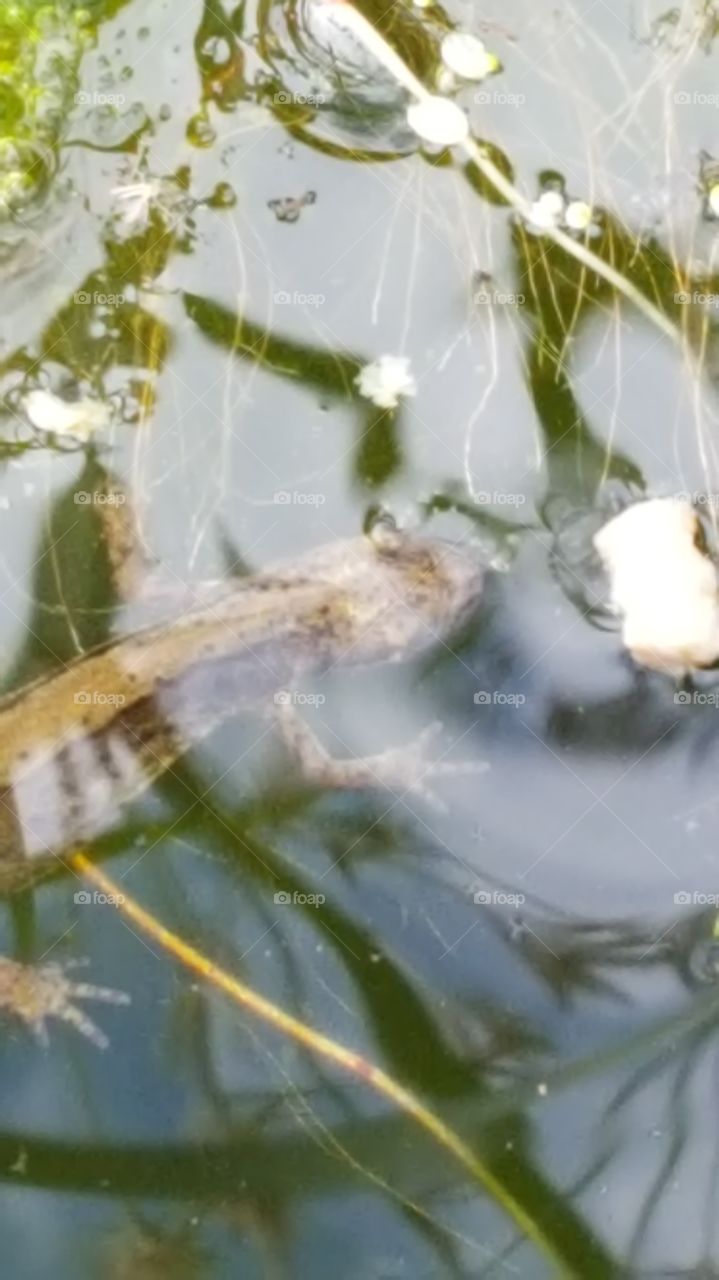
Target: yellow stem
(347, 1059)
(376, 44)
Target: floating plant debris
(137, 198)
(79, 418)
(662, 584)
(289, 208)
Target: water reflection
(570, 1037)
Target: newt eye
(384, 535)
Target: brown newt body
(79, 743)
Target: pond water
(212, 217)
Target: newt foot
(401, 769)
(38, 992)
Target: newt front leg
(399, 769)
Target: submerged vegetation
(249, 305)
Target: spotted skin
(77, 745)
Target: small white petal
(385, 380)
(553, 202)
(713, 198)
(578, 215)
(438, 120)
(539, 219)
(467, 57)
(49, 412)
(546, 212)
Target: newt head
(396, 591)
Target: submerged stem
(391, 60)
(354, 1063)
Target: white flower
(467, 57)
(79, 418)
(578, 215)
(385, 380)
(547, 211)
(438, 120)
(713, 198)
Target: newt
(77, 744)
